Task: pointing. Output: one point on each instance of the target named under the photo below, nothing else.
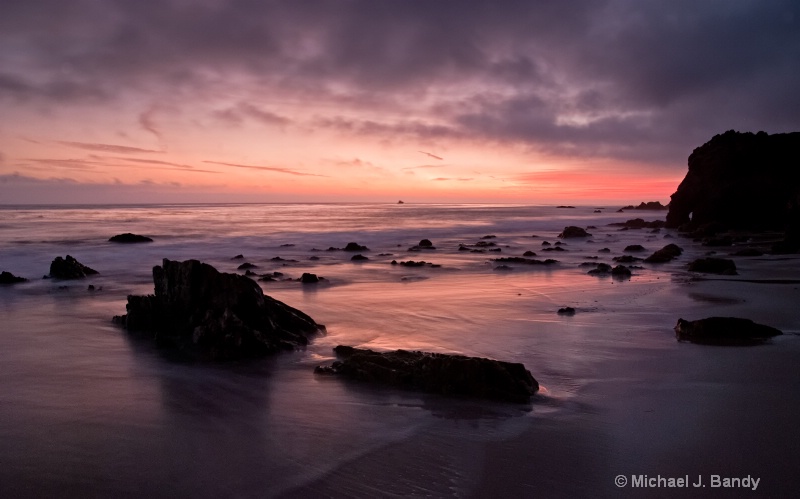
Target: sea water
(86, 410)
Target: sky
(507, 101)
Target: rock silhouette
(452, 375)
(724, 331)
(69, 268)
(216, 316)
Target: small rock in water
(69, 268)
(665, 254)
(309, 278)
(724, 331)
(566, 311)
(9, 278)
(246, 266)
(130, 238)
(573, 231)
(355, 247)
(359, 258)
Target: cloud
(617, 78)
(107, 148)
(147, 122)
(443, 179)
(267, 168)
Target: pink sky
(363, 101)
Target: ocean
(88, 411)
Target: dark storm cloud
(626, 79)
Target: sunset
(399, 248)
(333, 101)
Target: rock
(626, 259)
(713, 265)
(546, 243)
(724, 331)
(740, 181)
(69, 268)
(246, 266)
(604, 250)
(355, 247)
(566, 311)
(573, 231)
(308, 278)
(639, 223)
(359, 258)
(621, 271)
(665, 254)
(490, 236)
(597, 211)
(602, 269)
(130, 238)
(554, 248)
(718, 241)
(216, 316)
(563, 206)
(424, 244)
(314, 258)
(412, 263)
(634, 248)
(529, 253)
(238, 257)
(503, 268)
(450, 375)
(650, 205)
(9, 278)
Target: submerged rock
(355, 247)
(711, 265)
(525, 261)
(634, 248)
(665, 254)
(452, 375)
(214, 315)
(638, 223)
(69, 268)
(309, 278)
(724, 331)
(566, 311)
(358, 258)
(9, 278)
(129, 238)
(573, 231)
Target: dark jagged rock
(741, 181)
(247, 265)
(546, 243)
(238, 257)
(554, 248)
(529, 253)
(279, 259)
(665, 254)
(412, 263)
(9, 278)
(724, 331)
(355, 247)
(485, 244)
(213, 315)
(450, 375)
(309, 278)
(525, 261)
(69, 268)
(573, 231)
(129, 238)
(359, 258)
(713, 265)
(490, 236)
(566, 311)
(639, 223)
(634, 248)
(425, 243)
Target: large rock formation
(724, 331)
(455, 375)
(69, 268)
(214, 315)
(130, 238)
(740, 181)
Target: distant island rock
(210, 315)
(451, 375)
(724, 331)
(650, 205)
(741, 181)
(129, 238)
(69, 268)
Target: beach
(88, 410)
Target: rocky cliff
(740, 181)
